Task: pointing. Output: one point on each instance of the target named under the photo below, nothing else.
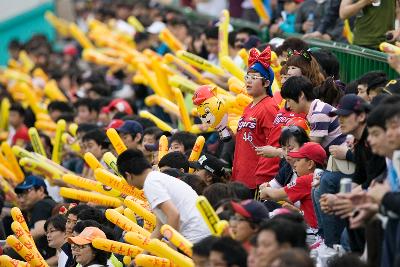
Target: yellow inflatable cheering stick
(196, 150)
(6, 261)
(170, 40)
(16, 169)
(90, 185)
(150, 218)
(33, 259)
(183, 84)
(4, 114)
(36, 141)
(187, 124)
(228, 64)
(389, 48)
(124, 223)
(216, 226)
(57, 149)
(160, 123)
(223, 31)
(78, 35)
(111, 162)
(152, 261)
(86, 196)
(177, 239)
(162, 147)
(91, 160)
(200, 63)
(136, 24)
(116, 140)
(107, 178)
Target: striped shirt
(323, 126)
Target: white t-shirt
(160, 187)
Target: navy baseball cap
(252, 209)
(130, 127)
(349, 104)
(30, 181)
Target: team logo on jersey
(282, 119)
(291, 184)
(251, 123)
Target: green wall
(23, 26)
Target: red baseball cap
(118, 104)
(312, 151)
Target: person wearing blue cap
(34, 201)
(131, 133)
(256, 125)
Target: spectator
(170, 198)
(210, 169)
(201, 251)
(86, 111)
(308, 158)
(249, 214)
(18, 131)
(175, 160)
(34, 200)
(300, 98)
(373, 22)
(182, 142)
(227, 252)
(84, 252)
(303, 63)
(55, 233)
(255, 126)
(277, 234)
(131, 133)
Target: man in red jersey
(256, 125)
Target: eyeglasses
(79, 247)
(250, 77)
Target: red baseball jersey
(300, 190)
(21, 136)
(256, 128)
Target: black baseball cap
(349, 104)
(392, 87)
(30, 181)
(210, 163)
(130, 127)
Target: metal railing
(354, 60)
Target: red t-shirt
(300, 190)
(255, 127)
(21, 136)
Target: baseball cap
(118, 104)
(210, 163)
(87, 236)
(115, 124)
(392, 87)
(251, 209)
(131, 127)
(312, 151)
(30, 181)
(348, 104)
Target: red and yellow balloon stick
(107, 178)
(116, 140)
(162, 147)
(152, 261)
(177, 239)
(116, 247)
(187, 125)
(123, 222)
